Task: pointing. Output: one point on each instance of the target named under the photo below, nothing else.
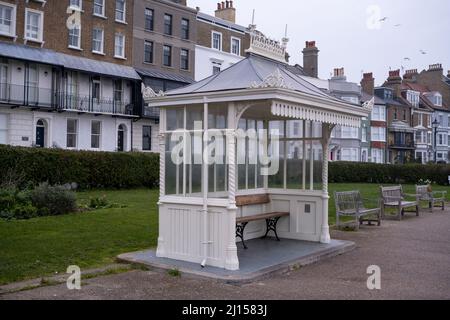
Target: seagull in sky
(422, 52)
(409, 59)
(397, 25)
(383, 19)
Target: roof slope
(22, 52)
(249, 72)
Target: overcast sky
(349, 33)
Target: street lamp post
(435, 127)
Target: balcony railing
(31, 96)
(36, 97)
(402, 145)
(78, 103)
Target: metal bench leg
(271, 225)
(240, 228)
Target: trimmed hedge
(350, 172)
(130, 170)
(32, 166)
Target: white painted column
(231, 257)
(325, 230)
(205, 184)
(161, 250)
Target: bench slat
(252, 200)
(262, 217)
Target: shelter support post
(232, 261)
(326, 136)
(161, 252)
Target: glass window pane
(294, 173)
(175, 118)
(194, 120)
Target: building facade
(66, 79)
(220, 41)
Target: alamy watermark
(374, 279)
(74, 280)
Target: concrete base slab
(263, 257)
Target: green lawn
(43, 246)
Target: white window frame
(377, 155)
(12, 32)
(40, 38)
(101, 43)
(378, 134)
(353, 154)
(76, 7)
(124, 12)
(99, 135)
(349, 133)
(413, 97)
(440, 140)
(231, 46)
(220, 42)
(120, 56)
(379, 113)
(77, 129)
(102, 15)
(78, 47)
(188, 59)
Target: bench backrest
(423, 191)
(390, 194)
(347, 201)
(252, 200)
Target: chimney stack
(368, 83)
(411, 75)
(226, 11)
(395, 82)
(435, 67)
(339, 74)
(311, 59)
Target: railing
(27, 95)
(402, 145)
(88, 104)
(36, 97)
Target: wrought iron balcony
(30, 96)
(402, 145)
(70, 102)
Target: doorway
(40, 134)
(121, 136)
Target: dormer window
(413, 97)
(435, 98)
(388, 94)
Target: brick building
(66, 79)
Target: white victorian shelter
(204, 205)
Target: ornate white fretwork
(264, 46)
(275, 80)
(149, 93)
(310, 113)
(368, 105)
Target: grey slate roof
(367, 97)
(46, 56)
(220, 22)
(165, 75)
(253, 69)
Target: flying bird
(409, 59)
(422, 52)
(397, 25)
(383, 19)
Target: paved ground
(414, 257)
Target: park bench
(350, 204)
(271, 218)
(425, 193)
(394, 197)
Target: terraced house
(66, 75)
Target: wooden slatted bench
(271, 218)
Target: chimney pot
(223, 4)
(437, 66)
(368, 83)
(219, 6)
(368, 76)
(311, 59)
(231, 4)
(227, 4)
(394, 73)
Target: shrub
(32, 166)
(351, 172)
(52, 200)
(24, 212)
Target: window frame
(170, 33)
(181, 59)
(149, 138)
(101, 41)
(212, 40)
(170, 56)
(185, 31)
(76, 7)
(124, 12)
(72, 133)
(122, 56)
(70, 46)
(40, 26)
(102, 15)
(98, 135)
(152, 19)
(146, 42)
(13, 8)
(239, 47)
